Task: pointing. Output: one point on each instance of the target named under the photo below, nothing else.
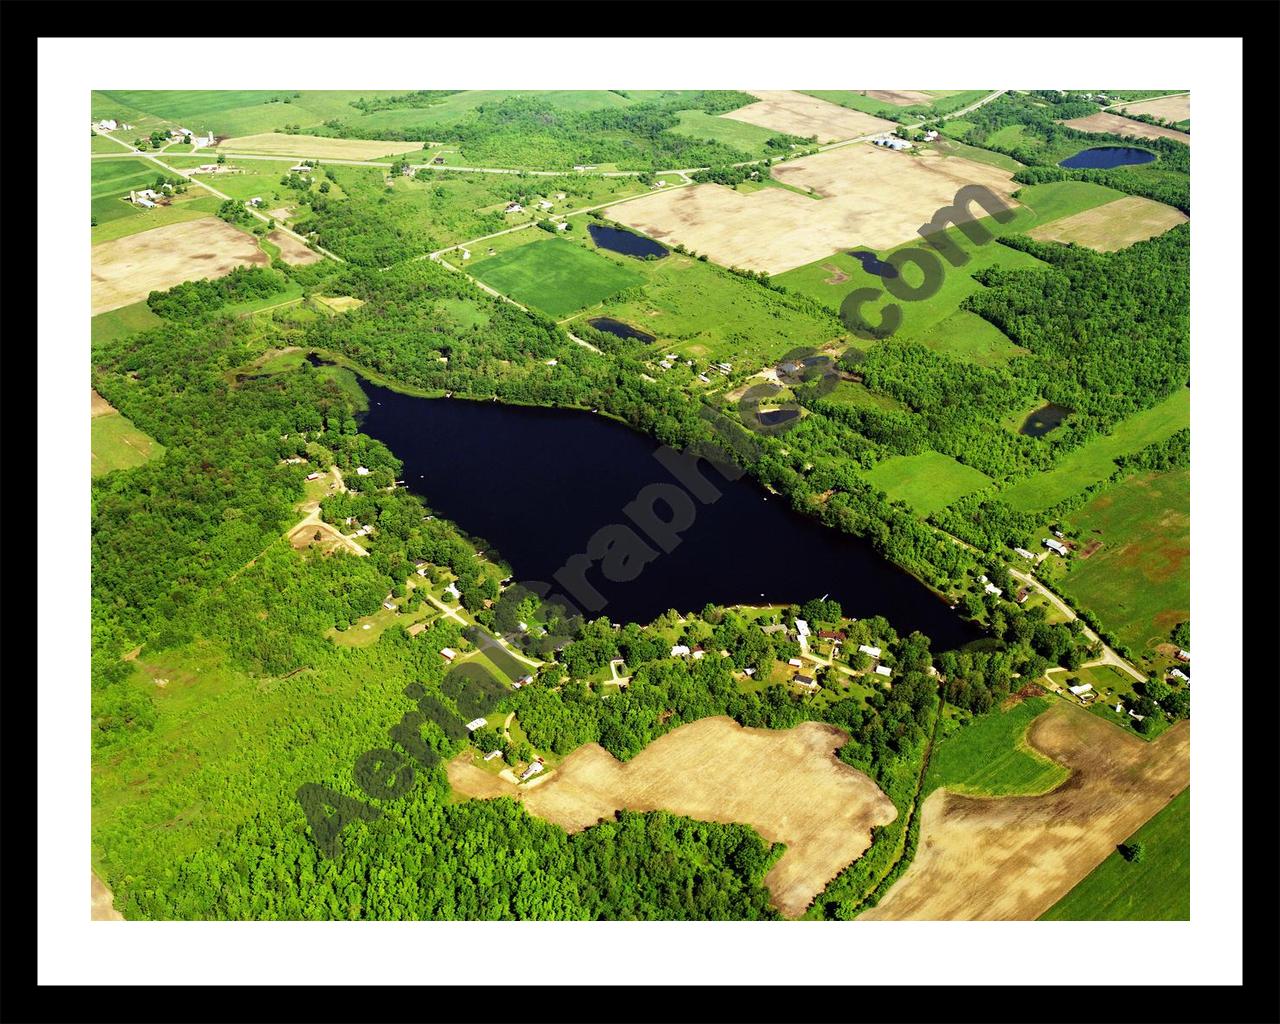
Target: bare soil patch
(130, 268)
(838, 276)
(1117, 125)
(99, 406)
(291, 250)
(898, 97)
(1114, 225)
(787, 784)
(279, 144)
(1012, 858)
(1170, 108)
(1090, 548)
(797, 114)
(304, 536)
(872, 197)
(101, 907)
(339, 303)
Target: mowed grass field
(1138, 582)
(990, 756)
(1157, 888)
(750, 138)
(115, 443)
(120, 323)
(927, 482)
(554, 276)
(1095, 460)
(110, 180)
(938, 322)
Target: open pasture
(1116, 225)
(927, 482)
(743, 135)
(1157, 888)
(795, 113)
(990, 756)
(129, 269)
(115, 443)
(554, 276)
(1168, 108)
(302, 146)
(1138, 582)
(1012, 858)
(120, 323)
(870, 197)
(1114, 124)
(1095, 459)
(111, 182)
(787, 784)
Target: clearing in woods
(871, 197)
(129, 269)
(279, 144)
(797, 114)
(1170, 108)
(787, 784)
(114, 442)
(1012, 858)
(292, 251)
(1116, 225)
(927, 482)
(555, 276)
(1114, 124)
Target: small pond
(619, 329)
(617, 240)
(1040, 421)
(872, 264)
(771, 417)
(1108, 156)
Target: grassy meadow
(927, 482)
(989, 756)
(554, 276)
(115, 443)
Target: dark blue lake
(872, 264)
(617, 240)
(536, 484)
(619, 329)
(1108, 156)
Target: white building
(1184, 655)
(199, 141)
(107, 125)
(867, 649)
(1024, 553)
(448, 653)
(680, 651)
(492, 754)
(930, 135)
(802, 627)
(532, 770)
(991, 588)
(389, 605)
(1055, 545)
(545, 204)
(514, 208)
(795, 663)
(301, 168)
(1177, 673)
(1082, 688)
(362, 470)
(884, 670)
(453, 591)
(476, 723)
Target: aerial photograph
(640, 504)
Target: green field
(922, 321)
(110, 180)
(927, 482)
(195, 204)
(555, 276)
(750, 138)
(859, 396)
(982, 156)
(1095, 460)
(990, 757)
(703, 312)
(120, 323)
(1138, 583)
(944, 101)
(118, 444)
(1157, 888)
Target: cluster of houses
(108, 124)
(146, 197)
(930, 135)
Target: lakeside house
(680, 651)
(1184, 656)
(448, 653)
(453, 591)
(802, 627)
(524, 680)
(884, 670)
(1177, 673)
(991, 588)
(362, 470)
(1023, 594)
(697, 653)
(867, 649)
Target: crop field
(1012, 858)
(111, 181)
(703, 312)
(302, 146)
(555, 276)
(121, 322)
(952, 147)
(749, 138)
(1168, 108)
(787, 784)
(890, 102)
(927, 482)
(990, 756)
(129, 269)
(1095, 459)
(1157, 888)
(871, 197)
(115, 443)
(1138, 582)
(795, 113)
(292, 251)
(1117, 125)
(1113, 226)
